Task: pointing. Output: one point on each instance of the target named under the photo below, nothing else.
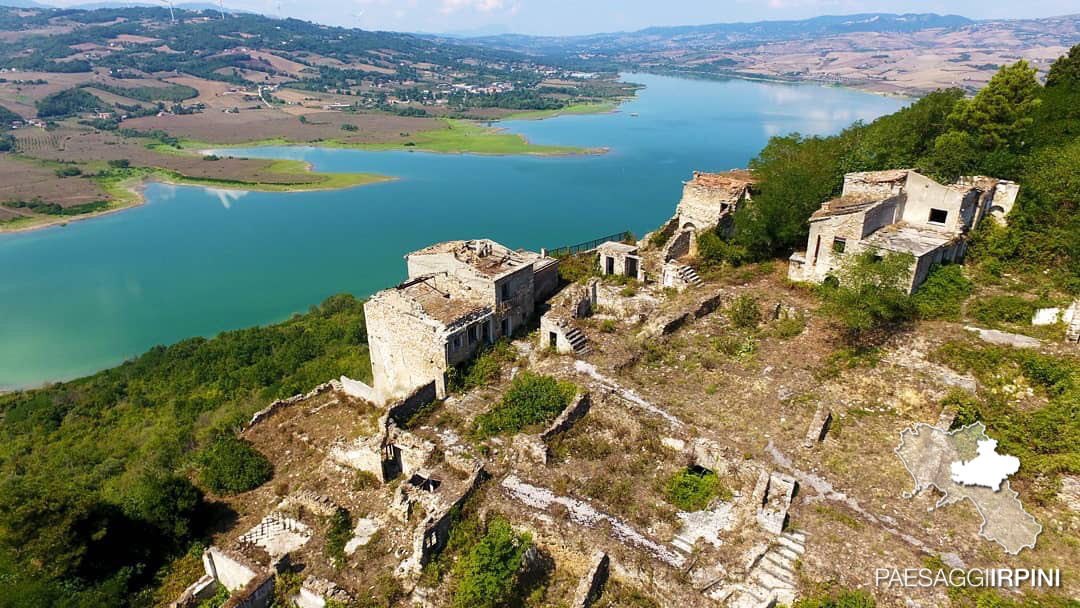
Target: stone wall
(269, 410)
(553, 324)
(407, 351)
(578, 407)
(682, 244)
(588, 589)
(703, 207)
(257, 594)
(924, 194)
(232, 571)
(545, 279)
(401, 411)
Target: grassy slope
(123, 188)
(462, 137)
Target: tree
(797, 173)
(488, 574)
(871, 296)
(167, 502)
(1065, 71)
(231, 465)
(1002, 111)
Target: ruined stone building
(620, 259)
(709, 202)
(899, 211)
(460, 295)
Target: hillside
(910, 54)
(705, 401)
(115, 95)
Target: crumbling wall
(200, 590)
(1005, 193)
(406, 351)
(401, 411)
(256, 594)
(552, 323)
(269, 410)
(588, 589)
(230, 570)
(432, 535)
(578, 407)
(684, 243)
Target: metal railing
(557, 252)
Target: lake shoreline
(131, 193)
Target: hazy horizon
(573, 17)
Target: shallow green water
(194, 261)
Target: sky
(567, 17)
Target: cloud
(483, 6)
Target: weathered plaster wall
(406, 351)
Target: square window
(472, 334)
(938, 216)
(839, 245)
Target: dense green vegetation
(943, 293)
(339, 530)
(870, 299)
(1014, 128)
(693, 489)
(172, 92)
(96, 494)
(488, 575)
(230, 465)
(56, 209)
(66, 103)
(7, 117)
(1046, 438)
(531, 399)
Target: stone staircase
(772, 579)
(578, 340)
(690, 276)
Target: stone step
(768, 580)
(778, 572)
(793, 545)
(753, 596)
(786, 554)
(683, 544)
(798, 536)
(780, 564)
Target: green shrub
(68, 172)
(789, 327)
(607, 326)
(870, 300)
(837, 599)
(349, 127)
(488, 574)
(120, 163)
(579, 268)
(531, 399)
(713, 250)
(1002, 309)
(338, 532)
(943, 293)
(365, 480)
(659, 238)
(745, 312)
(692, 490)
(483, 369)
(231, 465)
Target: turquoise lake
(195, 261)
